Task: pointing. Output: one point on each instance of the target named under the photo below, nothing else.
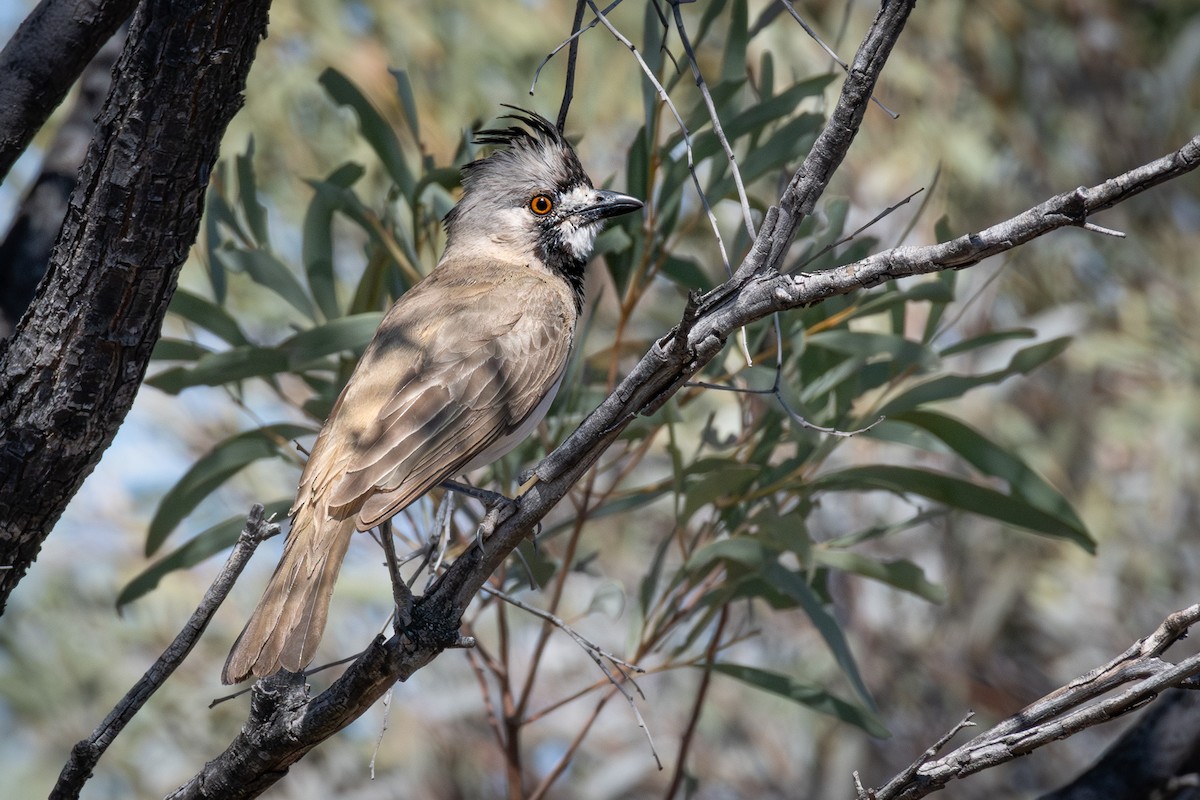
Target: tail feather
(286, 627)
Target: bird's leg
(401, 594)
(499, 507)
(489, 498)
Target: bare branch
(86, 753)
(285, 723)
(1062, 713)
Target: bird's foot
(496, 516)
(489, 498)
(401, 594)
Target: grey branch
(86, 753)
(1062, 713)
(285, 723)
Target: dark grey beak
(608, 204)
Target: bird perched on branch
(462, 368)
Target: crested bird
(463, 366)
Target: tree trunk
(69, 373)
(43, 58)
(25, 251)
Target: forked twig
(87, 753)
(1082, 703)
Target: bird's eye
(541, 205)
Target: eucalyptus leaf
(956, 493)
(202, 546)
(212, 470)
(375, 129)
(805, 694)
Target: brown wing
(460, 362)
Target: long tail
(286, 627)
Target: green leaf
(201, 546)
(956, 493)
(987, 339)
(317, 246)
(253, 210)
(737, 37)
(805, 694)
(267, 270)
(874, 346)
(945, 387)
(749, 551)
(212, 240)
(902, 574)
(351, 333)
(949, 279)
(217, 369)
(374, 127)
(711, 480)
(167, 349)
(685, 272)
(794, 585)
(757, 116)
(407, 102)
(991, 459)
(925, 291)
(761, 561)
(207, 315)
(213, 469)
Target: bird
(463, 366)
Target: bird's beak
(608, 204)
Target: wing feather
(441, 384)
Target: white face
(578, 237)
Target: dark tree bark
(43, 58)
(69, 373)
(25, 251)
(1163, 747)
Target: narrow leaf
(207, 315)
(956, 493)
(216, 369)
(374, 127)
(252, 209)
(946, 387)
(340, 335)
(213, 469)
(207, 543)
(901, 573)
(267, 270)
(805, 694)
(991, 459)
(316, 249)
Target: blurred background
(1001, 105)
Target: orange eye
(541, 205)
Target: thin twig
(593, 649)
(87, 753)
(852, 236)
(572, 56)
(845, 67)
(1082, 703)
(687, 141)
(714, 118)
(566, 42)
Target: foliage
(732, 479)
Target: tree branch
(69, 374)
(86, 753)
(25, 251)
(285, 723)
(1062, 713)
(43, 58)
